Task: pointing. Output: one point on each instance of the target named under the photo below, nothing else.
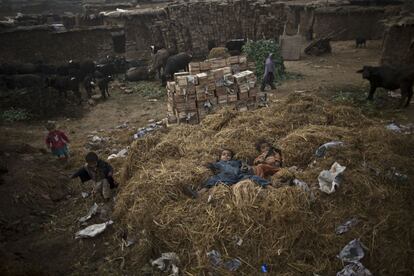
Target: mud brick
(229, 78)
(187, 117)
(211, 87)
(222, 99)
(240, 78)
(170, 107)
(171, 118)
(218, 63)
(244, 88)
(232, 98)
(253, 92)
(179, 75)
(171, 86)
(243, 96)
(226, 70)
(213, 101)
(191, 89)
(201, 88)
(202, 78)
(220, 82)
(243, 66)
(201, 96)
(189, 105)
(183, 98)
(218, 73)
(221, 91)
(233, 60)
(194, 68)
(205, 66)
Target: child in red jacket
(56, 141)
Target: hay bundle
(279, 226)
(219, 52)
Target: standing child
(56, 141)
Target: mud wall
(358, 21)
(26, 46)
(398, 45)
(190, 26)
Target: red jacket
(56, 139)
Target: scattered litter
(214, 257)
(92, 211)
(121, 154)
(264, 268)
(124, 125)
(209, 199)
(85, 194)
(354, 269)
(395, 175)
(144, 130)
(151, 121)
(168, 262)
(352, 252)
(321, 151)
(93, 230)
(305, 187)
(232, 265)
(152, 100)
(346, 226)
(96, 139)
(129, 242)
(330, 180)
(238, 240)
(398, 128)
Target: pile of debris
(211, 84)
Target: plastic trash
(330, 180)
(321, 151)
(85, 194)
(93, 230)
(121, 154)
(393, 127)
(352, 252)
(214, 257)
(301, 184)
(238, 240)
(92, 211)
(346, 226)
(264, 268)
(96, 139)
(354, 269)
(168, 262)
(232, 265)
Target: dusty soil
(40, 205)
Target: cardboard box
(232, 98)
(222, 99)
(243, 96)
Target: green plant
(150, 89)
(13, 115)
(258, 51)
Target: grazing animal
(360, 41)
(159, 61)
(174, 64)
(103, 84)
(63, 84)
(89, 85)
(390, 78)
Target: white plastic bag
(330, 180)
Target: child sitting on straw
(56, 141)
(229, 171)
(269, 161)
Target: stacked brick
(208, 85)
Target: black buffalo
(103, 84)
(174, 64)
(390, 78)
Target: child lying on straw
(269, 161)
(228, 171)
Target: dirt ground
(40, 205)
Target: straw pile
(282, 227)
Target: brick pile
(208, 85)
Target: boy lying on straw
(229, 171)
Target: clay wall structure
(30, 44)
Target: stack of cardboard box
(210, 84)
